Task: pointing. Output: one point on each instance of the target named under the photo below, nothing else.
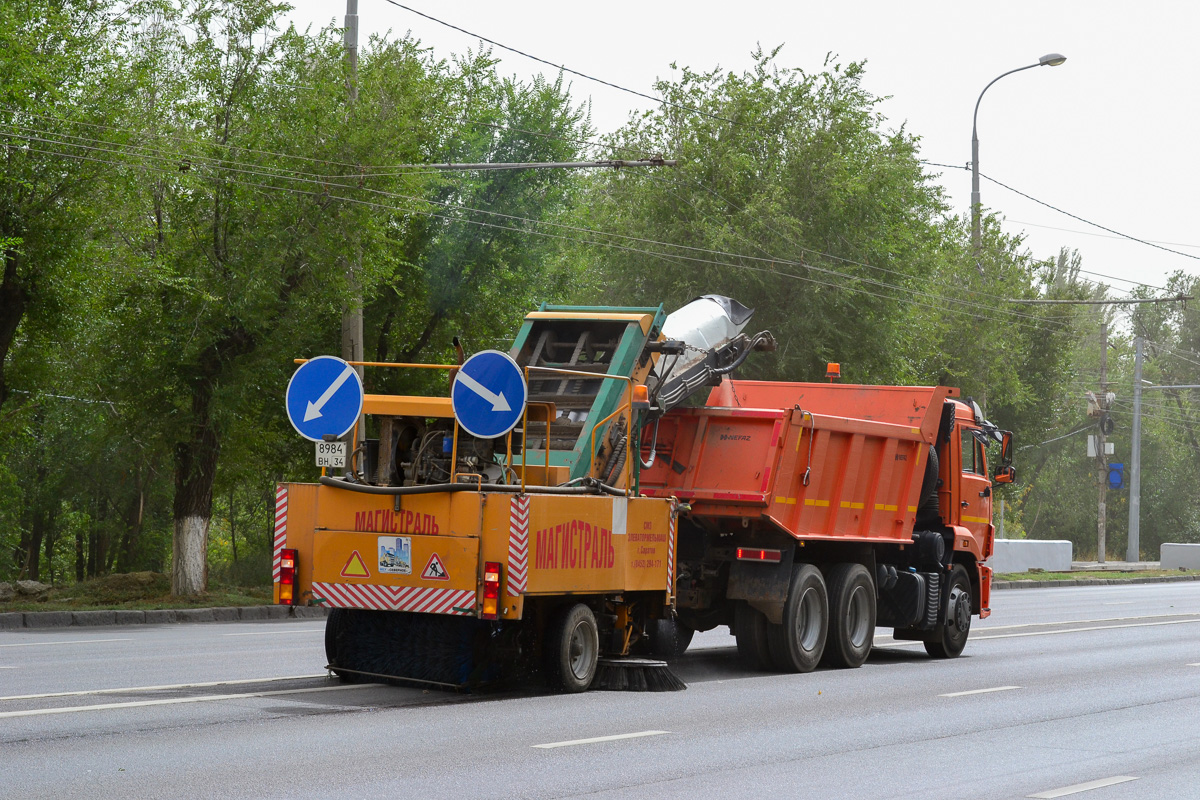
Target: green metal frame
(623, 362)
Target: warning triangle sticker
(355, 567)
(435, 570)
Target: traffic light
(1116, 475)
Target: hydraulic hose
(498, 488)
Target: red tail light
(759, 554)
(491, 590)
(287, 576)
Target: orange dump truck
(817, 511)
(608, 521)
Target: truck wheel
(335, 631)
(669, 638)
(950, 637)
(798, 643)
(750, 628)
(851, 616)
(572, 646)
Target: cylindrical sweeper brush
(635, 675)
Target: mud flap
(763, 585)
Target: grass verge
(142, 591)
(1108, 573)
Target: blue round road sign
(324, 398)
(489, 394)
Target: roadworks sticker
(355, 567)
(395, 555)
(435, 570)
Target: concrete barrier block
(90, 618)
(160, 616)
(47, 619)
(252, 612)
(11, 620)
(1021, 555)
(309, 612)
(278, 612)
(130, 617)
(225, 614)
(193, 615)
(1174, 556)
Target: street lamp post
(1048, 60)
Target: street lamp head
(1051, 60)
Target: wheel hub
(960, 610)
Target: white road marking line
(275, 633)
(976, 638)
(74, 641)
(595, 739)
(1121, 603)
(160, 688)
(981, 691)
(174, 701)
(1190, 665)
(1078, 622)
(1082, 787)
(1093, 628)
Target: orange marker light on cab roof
(641, 398)
(833, 371)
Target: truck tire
(335, 631)
(750, 628)
(797, 644)
(669, 638)
(571, 647)
(851, 616)
(950, 637)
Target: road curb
(18, 620)
(1029, 584)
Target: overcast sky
(1109, 136)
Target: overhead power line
(494, 43)
(1179, 298)
(677, 258)
(1146, 242)
(326, 183)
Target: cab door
(975, 489)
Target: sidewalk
(17, 620)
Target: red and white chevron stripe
(426, 600)
(518, 545)
(281, 505)
(671, 554)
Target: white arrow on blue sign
(324, 398)
(489, 394)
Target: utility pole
(1133, 551)
(352, 312)
(1101, 459)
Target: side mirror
(1006, 439)
(1006, 475)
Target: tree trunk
(14, 299)
(195, 471)
(80, 556)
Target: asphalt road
(1060, 688)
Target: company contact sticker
(395, 555)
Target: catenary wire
(672, 257)
(327, 183)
